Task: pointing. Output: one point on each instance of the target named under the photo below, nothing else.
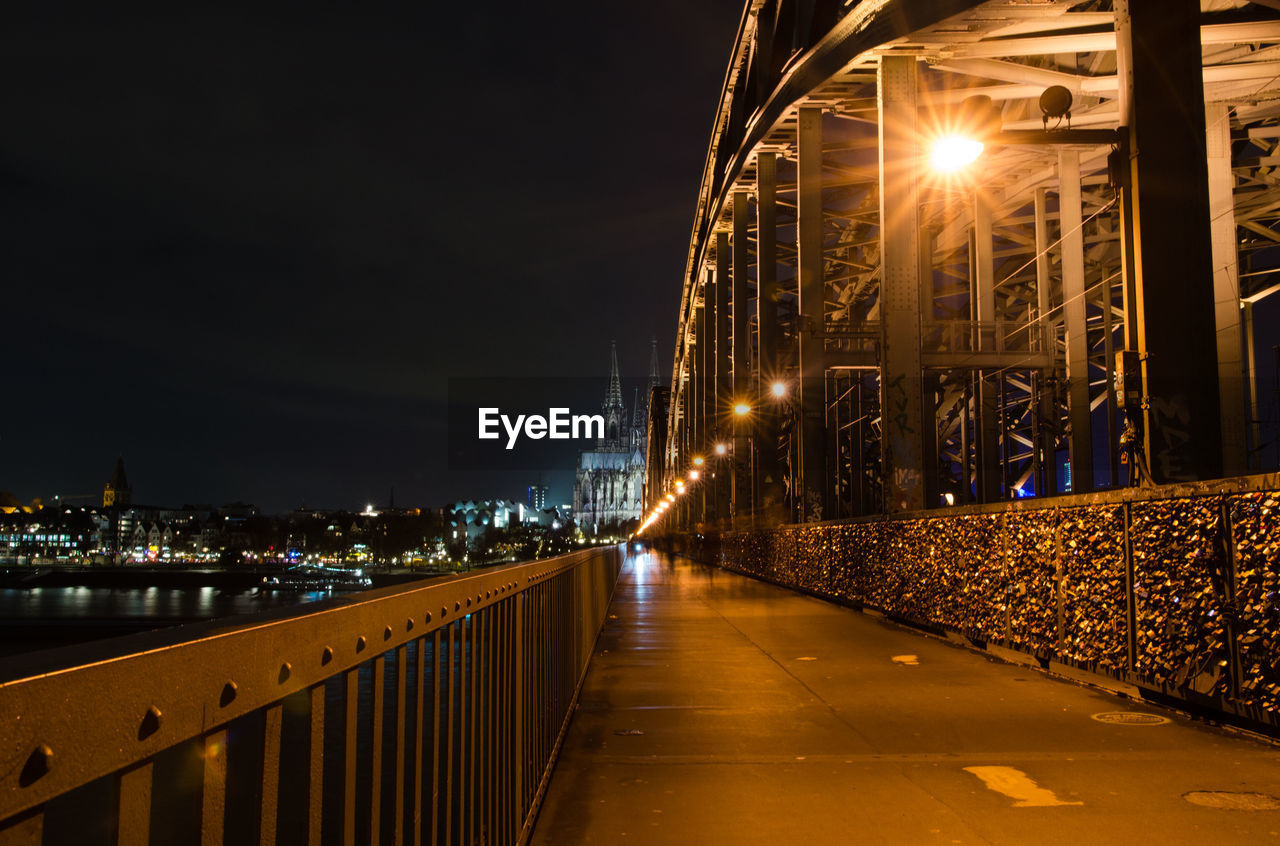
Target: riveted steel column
(1226, 288)
(724, 389)
(930, 384)
(767, 370)
(1073, 309)
(1161, 58)
(901, 386)
(706, 388)
(1251, 375)
(812, 395)
(1046, 409)
(985, 398)
(742, 384)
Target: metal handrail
(531, 628)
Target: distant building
(537, 497)
(117, 492)
(48, 534)
(609, 480)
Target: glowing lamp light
(954, 152)
(693, 475)
(721, 449)
(742, 409)
(778, 389)
(698, 461)
(671, 497)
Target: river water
(45, 617)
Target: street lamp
(954, 152)
(778, 389)
(742, 409)
(961, 142)
(693, 475)
(698, 461)
(721, 449)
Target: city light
(954, 152)
(671, 497)
(742, 409)
(721, 449)
(693, 475)
(778, 389)
(698, 461)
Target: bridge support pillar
(1073, 310)
(705, 392)
(769, 494)
(1226, 289)
(723, 389)
(986, 396)
(901, 383)
(742, 384)
(812, 306)
(1158, 55)
(1046, 407)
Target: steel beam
(1174, 287)
(705, 385)
(1070, 218)
(723, 388)
(742, 385)
(812, 306)
(768, 369)
(901, 383)
(929, 384)
(1251, 376)
(1226, 288)
(987, 407)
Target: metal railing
(426, 713)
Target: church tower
(640, 419)
(117, 491)
(615, 413)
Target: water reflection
(44, 617)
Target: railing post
(517, 709)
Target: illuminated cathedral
(608, 488)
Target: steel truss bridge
(859, 337)
(898, 338)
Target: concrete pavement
(719, 709)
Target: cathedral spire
(653, 364)
(613, 399)
(615, 413)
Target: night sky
(246, 248)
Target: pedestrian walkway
(719, 709)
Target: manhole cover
(1130, 718)
(1230, 801)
